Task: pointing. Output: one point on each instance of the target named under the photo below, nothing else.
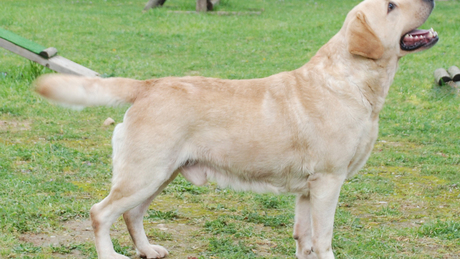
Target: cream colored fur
(303, 131)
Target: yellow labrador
(302, 132)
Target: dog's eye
(391, 6)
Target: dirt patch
(14, 125)
(78, 231)
(174, 236)
(74, 232)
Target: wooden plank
(65, 66)
(20, 41)
(56, 63)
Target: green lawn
(55, 163)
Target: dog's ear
(362, 39)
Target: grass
(55, 163)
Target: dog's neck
(371, 77)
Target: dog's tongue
(421, 32)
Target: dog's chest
(364, 148)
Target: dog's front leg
(324, 195)
(303, 228)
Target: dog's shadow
(446, 90)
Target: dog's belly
(275, 182)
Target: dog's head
(384, 28)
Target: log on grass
(454, 73)
(153, 4)
(441, 76)
(201, 5)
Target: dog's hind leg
(303, 228)
(129, 191)
(132, 193)
(134, 221)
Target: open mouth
(416, 39)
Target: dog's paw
(114, 256)
(153, 251)
(306, 254)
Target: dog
(305, 131)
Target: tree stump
(441, 76)
(454, 73)
(201, 5)
(153, 4)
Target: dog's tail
(80, 92)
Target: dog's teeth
(430, 35)
(410, 36)
(416, 37)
